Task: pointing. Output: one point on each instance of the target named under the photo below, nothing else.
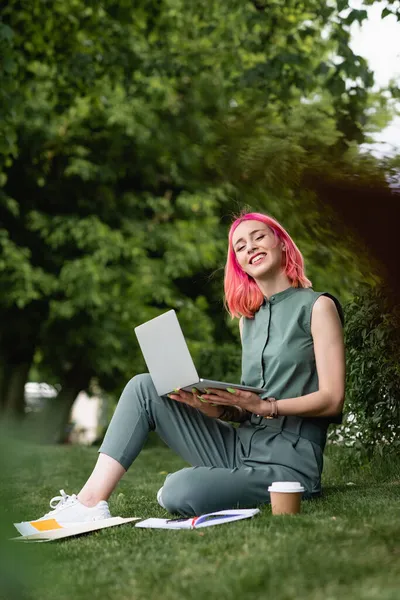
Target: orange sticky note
(45, 525)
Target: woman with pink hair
(292, 347)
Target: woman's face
(253, 243)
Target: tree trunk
(4, 377)
(53, 426)
(14, 389)
(15, 364)
(18, 340)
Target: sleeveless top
(278, 349)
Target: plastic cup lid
(286, 486)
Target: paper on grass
(51, 529)
(214, 518)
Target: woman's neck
(269, 287)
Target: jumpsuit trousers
(232, 467)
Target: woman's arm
(327, 333)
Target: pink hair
(242, 294)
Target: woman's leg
(199, 490)
(198, 439)
(102, 481)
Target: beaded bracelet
(274, 409)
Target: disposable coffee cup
(285, 497)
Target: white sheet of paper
(75, 529)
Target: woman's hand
(194, 400)
(248, 401)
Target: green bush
(372, 411)
(221, 363)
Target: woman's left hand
(235, 397)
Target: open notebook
(214, 518)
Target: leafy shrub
(372, 336)
(221, 363)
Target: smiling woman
(262, 259)
(292, 347)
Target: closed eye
(260, 237)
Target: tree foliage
(131, 135)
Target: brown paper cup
(285, 497)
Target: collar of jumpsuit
(279, 296)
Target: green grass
(345, 545)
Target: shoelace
(59, 501)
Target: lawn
(344, 545)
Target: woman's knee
(141, 381)
(139, 387)
(184, 493)
(134, 393)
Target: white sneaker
(68, 509)
(159, 499)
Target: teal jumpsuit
(232, 467)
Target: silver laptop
(168, 358)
